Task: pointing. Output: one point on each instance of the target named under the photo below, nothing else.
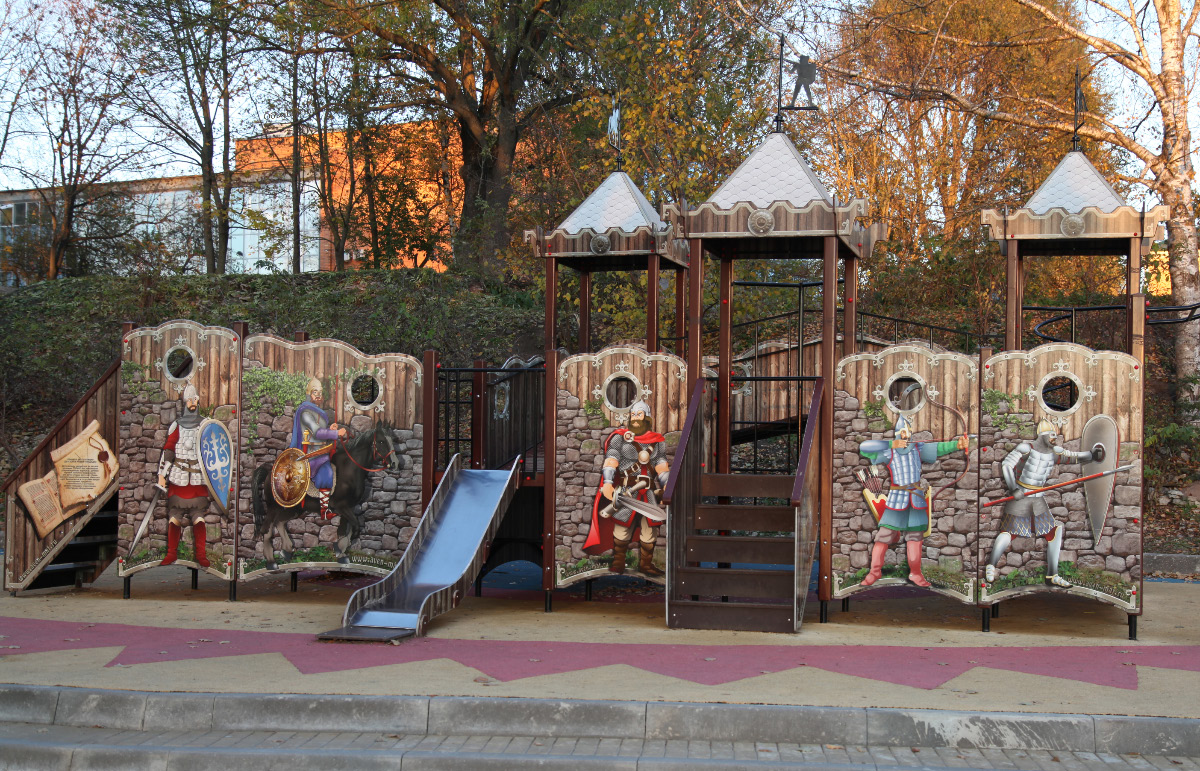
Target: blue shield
(216, 459)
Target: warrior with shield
(313, 434)
(905, 514)
(181, 475)
(1026, 513)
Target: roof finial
(1080, 108)
(614, 131)
(806, 74)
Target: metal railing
(491, 415)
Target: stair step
(81, 540)
(740, 582)
(76, 565)
(747, 485)
(764, 550)
(738, 616)
(716, 516)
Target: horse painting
(353, 460)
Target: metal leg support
(996, 610)
(845, 604)
(479, 585)
(233, 591)
(549, 600)
(195, 578)
(125, 588)
(295, 581)
(587, 589)
(1132, 626)
(824, 611)
(987, 619)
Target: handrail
(806, 443)
(689, 424)
(79, 405)
(1193, 313)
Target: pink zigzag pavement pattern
(505, 660)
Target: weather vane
(805, 72)
(614, 131)
(1080, 108)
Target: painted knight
(635, 459)
(1028, 515)
(906, 512)
(180, 474)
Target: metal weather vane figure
(805, 72)
(614, 131)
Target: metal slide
(443, 558)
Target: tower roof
(617, 203)
(1074, 185)
(775, 171)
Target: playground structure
(463, 469)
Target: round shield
(289, 478)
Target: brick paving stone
(1022, 760)
(745, 751)
(676, 748)
(315, 741)
(720, 750)
(813, 753)
(1068, 762)
(540, 746)
(586, 746)
(1113, 760)
(472, 743)
(452, 743)
(163, 738)
(1048, 761)
(998, 759)
(1092, 761)
(362, 742)
(518, 745)
(1187, 764)
(609, 747)
(974, 758)
(496, 744)
(631, 748)
(428, 743)
(951, 757)
(766, 751)
(654, 748)
(883, 756)
(835, 753)
(564, 745)
(791, 753)
(1138, 762)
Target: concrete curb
(142, 711)
(1171, 563)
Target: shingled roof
(1074, 185)
(775, 171)
(617, 203)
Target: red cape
(600, 535)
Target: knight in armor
(1028, 515)
(906, 512)
(180, 474)
(312, 431)
(635, 458)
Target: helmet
(190, 394)
(314, 385)
(640, 406)
(902, 424)
(1046, 427)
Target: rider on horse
(312, 431)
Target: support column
(478, 415)
(695, 311)
(551, 306)
(1135, 300)
(681, 279)
(724, 368)
(549, 492)
(850, 307)
(429, 429)
(828, 347)
(652, 302)
(585, 312)
(1014, 296)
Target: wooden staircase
(758, 536)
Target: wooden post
(478, 437)
(724, 368)
(551, 307)
(1135, 317)
(585, 311)
(828, 347)
(429, 433)
(1014, 296)
(850, 307)
(301, 336)
(695, 312)
(652, 302)
(681, 278)
(550, 450)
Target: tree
(77, 123)
(1148, 51)
(14, 45)
(189, 64)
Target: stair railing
(683, 488)
(806, 501)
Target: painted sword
(159, 491)
(1057, 485)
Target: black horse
(352, 461)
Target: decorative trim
(934, 358)
(1122, 222)
(646, 359)
(376, 360)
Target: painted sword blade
(158, 493)
(645, 508)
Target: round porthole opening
(364, 390)
(180, 363)
(906, 395)
(621, 392)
